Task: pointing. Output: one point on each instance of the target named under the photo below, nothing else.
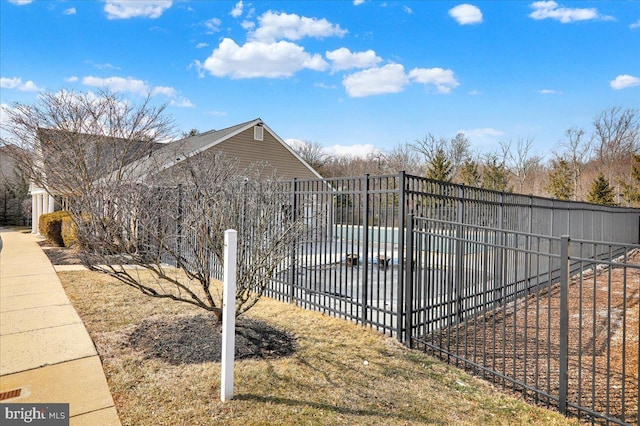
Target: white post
(34, 214)
(39, 200)
(45, 203)
(228, 314)
(52, 204)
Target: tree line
(599, 165)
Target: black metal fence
(477, 277)
(553, 318)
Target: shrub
(50, 225)
(68, 231)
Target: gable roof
(175, 152)
(98, 154)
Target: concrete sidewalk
(46, 354)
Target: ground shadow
(197, 339)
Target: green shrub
(50, 225)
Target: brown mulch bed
(521, 341)
(196, 339)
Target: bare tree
(616, 138)
(180, 219)
(616, 134)
(404, 158)
(131, 215)
(577, 152)
(69, 139)
(459, 152)
(429, 146)
(312, 153)
(520, 162)
(455, 151)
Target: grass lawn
(338, 374)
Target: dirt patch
(522, 341)
(196, 339)
(60, 255)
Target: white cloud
(258, 59)
(213, 25)
(344, 59)
(70, 11)
(390, 78)
(275, 26)
(551, 10)
(201, 45)
(139, 87)
(164, 90)
(248, 25)
(475, 92)
(17, 84)
(549, 92)
(125, 9)
(466, 14)
(181, 103)
(624, 81)
(117, 84)
(358, 150)
(71, 79)
(237, 9)
(20, 2)
(443, 80)
(357, 2)
(407, 9)
(635, 25)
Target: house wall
(248, 151)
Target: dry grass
(339, 374)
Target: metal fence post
(408, 282)
(498, 283)
(294, 246)
(401, 230)
(365, 255)
(459, 262)
(564, 325)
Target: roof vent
(258, 132)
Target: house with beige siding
(249, 143)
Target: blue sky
(350, 75)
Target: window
(258, 132)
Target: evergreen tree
(469, 174)
(560, 180)
(601, 192)
(631, 191)
(439, 168)
(494, 175)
